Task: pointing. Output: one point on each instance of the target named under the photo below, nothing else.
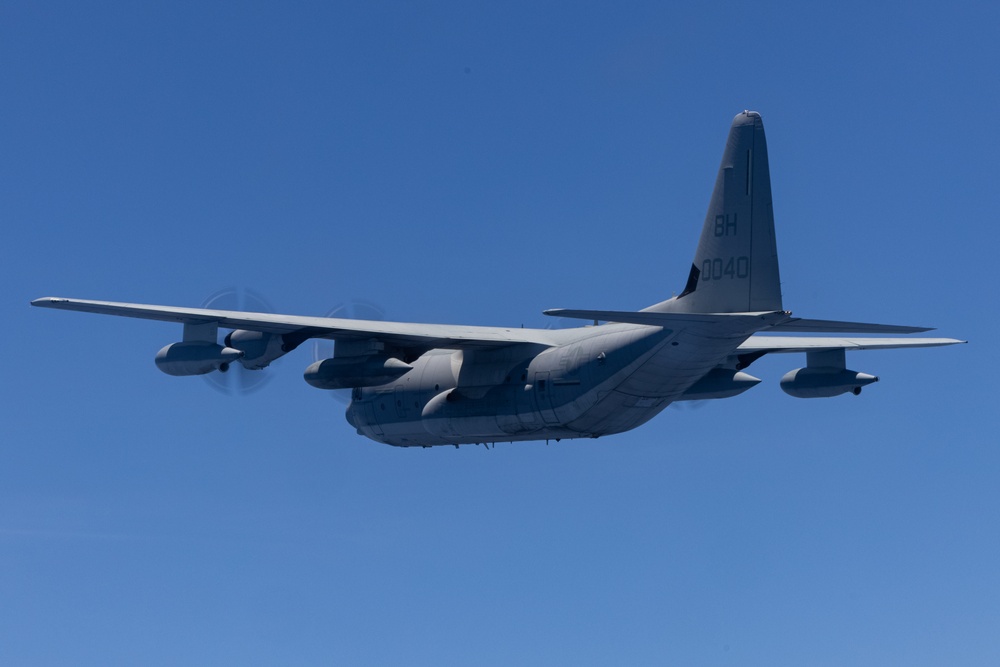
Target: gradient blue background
(478, 163)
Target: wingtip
(48, 301)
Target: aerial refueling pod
(349, 372)
(824, 382)
(259, 348)
(825, 375)
(195, 357)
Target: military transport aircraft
(435, 384)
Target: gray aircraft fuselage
(596, 381)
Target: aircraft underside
(614, 379)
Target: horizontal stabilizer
(650, 318)
(775, 321)
(759, 345)
(800, 325)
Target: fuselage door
(543, 397)
(400, 402)
(371, 417)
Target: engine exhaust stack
(195, 358)
(349, 372)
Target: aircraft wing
(759, 345)
(401, 334)
(427, 336)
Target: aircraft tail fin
(735, 268)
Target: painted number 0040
(718, 268)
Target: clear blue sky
(478, 163)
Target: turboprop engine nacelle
(720, 383)
(195, 358)
(821, 382)
(259, 348)
(348, 372)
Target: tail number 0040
(720, 269)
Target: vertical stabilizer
(735, 268)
